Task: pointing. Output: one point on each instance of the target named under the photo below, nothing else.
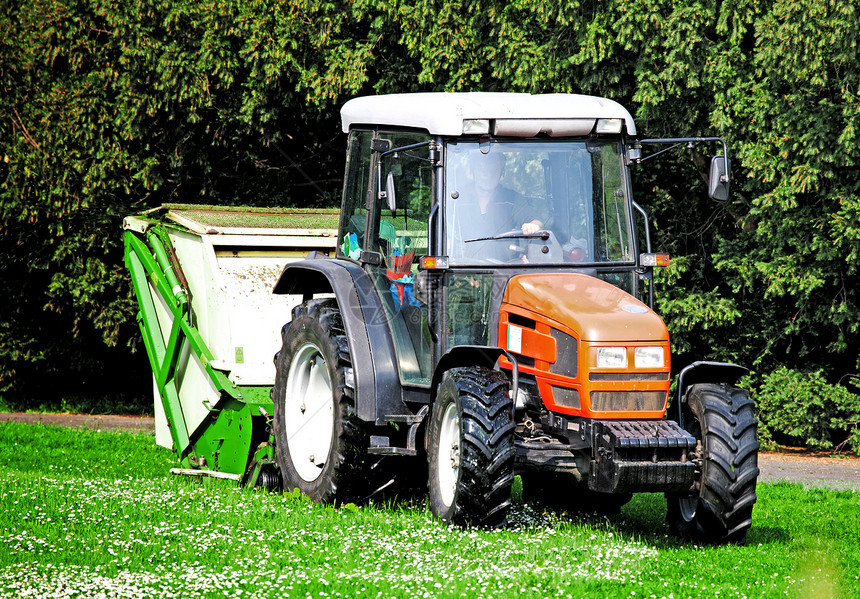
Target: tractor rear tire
(321, 445)
(721, 417)
(471, 448)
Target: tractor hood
(596, 311)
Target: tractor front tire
(471, 448)
(721, 417)
(321, 445)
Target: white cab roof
(442, 113)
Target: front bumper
(637, 455)
(614, 456)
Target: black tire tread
(346, 469)
(729, 470)
(483, 493)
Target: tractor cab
(450, 197)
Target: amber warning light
(433, 263)
(654, 259)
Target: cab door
(398, 232)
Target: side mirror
(421, 287)
(718, 181)
(390, 193)
(425, 283)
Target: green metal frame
(222, 441)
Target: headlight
(609, 125)
(648, 357)
(476, 126)
(611, 357)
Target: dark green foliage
(110, 107)
(801, 409)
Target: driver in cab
(487, 208)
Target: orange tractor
(489, 312)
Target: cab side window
(356, 188)
(408, 175)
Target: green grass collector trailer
(203, 279)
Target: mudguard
(704, 372)
(474, 355)
(376, 379)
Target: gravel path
(812, 471)
(95, 422)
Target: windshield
(536, 202)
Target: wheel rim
(687, 505)
(309, 412)
(449, 454)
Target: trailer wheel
(321, 444)
(470, 448)
(721, 417)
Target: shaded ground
(813, 470)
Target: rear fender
(376, 380)
(703, 372)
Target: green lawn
(88, 514)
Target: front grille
(565, 355)
(627, 401)
(563, 396)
